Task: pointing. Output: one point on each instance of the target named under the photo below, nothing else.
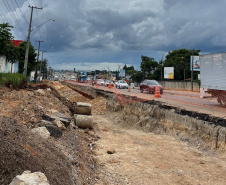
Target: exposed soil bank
(205, 131)
(66, 160)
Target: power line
(28, 3)
(14, 17)
(21, 12)
(8, 22)
(2, 15)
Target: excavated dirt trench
(79, 156)
(202, 130)
(65, 160)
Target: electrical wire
(28, 2)
(21, 12)
(2, 15)
(14, 17)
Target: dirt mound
(66, 160)
(22, 150)
(27, 107)
(99, 105)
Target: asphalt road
(183, 99)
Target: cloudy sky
(102, 34)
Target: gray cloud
(121, 31)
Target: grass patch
(12, 79)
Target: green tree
(7, 48)
(137, 76)
(5, 38)
(31, 57)
(180, 60)
(44, 68)
(148, 66)
(125, 67)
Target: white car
(73, 78)
(107, 82)
(121, 84)
(100, 82)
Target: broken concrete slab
(42, 131)
(28, 178)
(83, 108)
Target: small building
(7, 66)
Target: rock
(40, 91)
(28, 178)
(83, 121)
(111, 151)
(42, 131)
(179, 172)
(60, 125)
(83, 108)
(54, 130)
(57, 116)
(43, 123)
(62, 116)
(48, 117)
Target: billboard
(196, 63)
(169, 72)
(122, 73)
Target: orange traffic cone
(157, 92)
(138, 88)
(109, 85)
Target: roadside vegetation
(14, 80)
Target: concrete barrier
(83, 121)
(82, 108)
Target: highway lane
(181, 99)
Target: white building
(5, 67)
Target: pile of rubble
(38, 134)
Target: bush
(12, 79)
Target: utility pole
(39, 42)
(161, 66)
(28, 41)
(192, 63)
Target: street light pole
(192, 59)
(42, 24)
(28, 41)
(39, 42)
(42, 61)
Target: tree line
(151, 69)
(14, 54)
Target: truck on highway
(213, 75)
(82, 78)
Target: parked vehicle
(56, 78)
(121, 84)
(73, 78)
(150, 86)
(82, 78)
(108, 82)
(213, 76)
(100, 82)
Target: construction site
(77, 134)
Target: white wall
(2, 63)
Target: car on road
(100, 82)
(56, 78)
(121, 84)
(108, 82)
(150, 86)
(73, 78)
